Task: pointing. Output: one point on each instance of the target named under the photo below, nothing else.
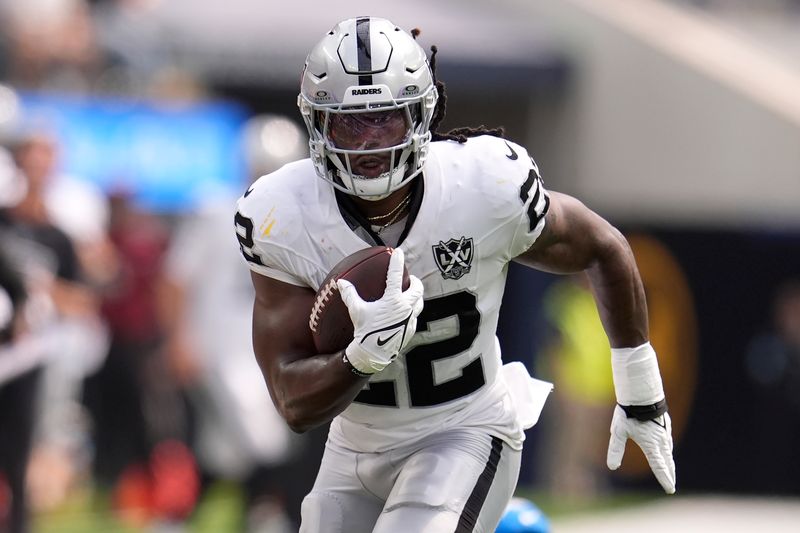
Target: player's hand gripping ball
(330, 322)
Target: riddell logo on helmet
(372, 90)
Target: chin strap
(357, 184)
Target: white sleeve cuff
(275, 273)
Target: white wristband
(637, 380)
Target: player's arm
(308, 389)
(576, 239)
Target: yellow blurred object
(582, 364)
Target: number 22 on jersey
(453, 312)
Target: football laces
(319, 303)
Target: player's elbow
(297, 418)
(611, 244)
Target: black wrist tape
(353, 369)
(645, 412)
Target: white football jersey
(483, 204)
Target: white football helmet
(365, 79)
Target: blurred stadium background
(132, 126)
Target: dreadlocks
(458, 134)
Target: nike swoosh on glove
(654, 437)
(383, 328)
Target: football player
(426, 428)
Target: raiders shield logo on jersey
(454, 257)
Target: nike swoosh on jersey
(381, 341)
(513, 155)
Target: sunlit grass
(221, 509)
(554, 506)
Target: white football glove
(383, 328)
(654, 437)
(640, 414)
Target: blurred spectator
(81, 46)
(580, 366)
(58, 304)
(130, 31)
(772, 363)
(51, 44)
(207, 303)
(50, 201)
(60, 195)
(138, 412)
(16, 404)
(239, 435)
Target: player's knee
(321, 512)
(416, 516)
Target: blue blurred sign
(165, 155)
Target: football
(330, 322)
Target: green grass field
(221, 508)
(218, 512)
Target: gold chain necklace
(399, 207)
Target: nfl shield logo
(453, 257)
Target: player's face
(369, 131)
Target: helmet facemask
(394, 134)
(367, 97)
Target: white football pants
(455, 481)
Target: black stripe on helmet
(364, 51)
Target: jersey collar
(354, 218)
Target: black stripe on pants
(469, 516)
